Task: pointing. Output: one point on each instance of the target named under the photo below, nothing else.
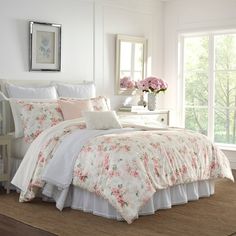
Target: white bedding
(126, 168)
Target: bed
(115, 168)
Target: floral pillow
(38, 116)
(100, 103)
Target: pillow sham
(86, 90)
(72, 109)
(101, 103)
(102, 120)
(38, 116)
(15, 91)
(16, 109)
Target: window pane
(225, 94)
(125, 55)
(125, 73)
(196, 53)
(196, 89)
(225, 52)
(225, 126)
(137, 76)
(196, 119)
(138, 56)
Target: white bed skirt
(80, 199)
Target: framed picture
(45, 46)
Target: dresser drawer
(149, 117)
(163, 118)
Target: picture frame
(45, 46)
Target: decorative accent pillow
(101, 103)
(16, 109)
(15, 91)
(72, 109)
(102, 120)
(86, 90)
(38, 116)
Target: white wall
(76, 18)
(134, 17)
(88, 38)
(191, 16)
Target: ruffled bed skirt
(80, 199)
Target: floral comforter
(128, 168)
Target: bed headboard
(7, 119)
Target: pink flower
(126, 82)
(151, 84)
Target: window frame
(211, 80)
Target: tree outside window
(209, 75)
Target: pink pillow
(72, 108)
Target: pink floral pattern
(128, 168)
(38, 116)
(100, 103)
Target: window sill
(227, 147)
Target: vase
(151, 101)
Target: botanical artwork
(45, 46)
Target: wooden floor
(10, 227)
(214, 216)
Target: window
(131, 60)
(208, 72)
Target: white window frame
(211, 80)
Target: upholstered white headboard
(7, 122)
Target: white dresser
(161, 116)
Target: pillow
(72, 109)
(76, 90)
(101, 120)
(38, 116)
(15, 91)
(16, 109)
(101, 103)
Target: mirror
(130, 62)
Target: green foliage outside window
(196, 76)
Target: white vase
(151, 101)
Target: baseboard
(231, 155)
(233, 165)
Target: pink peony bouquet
(126, 82)
(152, 84)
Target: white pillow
(76, 90)
(15, 91)
(101, 120)
(17, 111)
